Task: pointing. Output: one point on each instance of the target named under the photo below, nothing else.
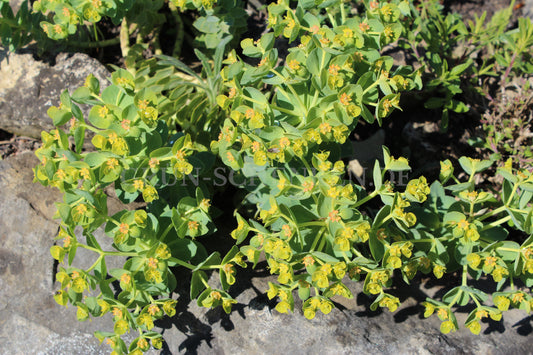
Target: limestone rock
(32, 323)
(15, 5)
(254, 327)
(30, 320)
(28, 87)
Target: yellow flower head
(152, 263)
(293, 64)
(308, 260)
(103, 111)
(124, 228)
(153, 309)
(334, 69)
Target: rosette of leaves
(187, 99)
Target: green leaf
(197, 283)
(494, 234)
(112, 95)
(183, 249)
(72, 254)
(256, 95)
(380, 216)
(458, 295)
(92, 242)
(377, 249)
(95, 159)
(213, 259)
(480, 295)
(457, 106)
(466, 164)
(459, 69)
(304, 293)
(378, 182)
(508, 250)
(325, 257)
(98, 119)
(59, 116)
(460, 187)
(462, 251)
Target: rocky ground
(32, 323)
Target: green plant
(459, 55)
(506, 129)
(75, 23)
(17, 30)
(280, 127)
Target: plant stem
(167, 230)
(97, 44)
(492, 213)
(343, 12)
(284, 110)
(182, 263)
(508, 70)
(180, 35)
(95, 263)
(317, 238)
(313, 223)
(496, 223)
(124, 38)
(367, 198)
(95, 32)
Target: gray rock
(32, 323)
(29, 87)
(15, 5)
(254, 327)
(30, 320)
(528, 9)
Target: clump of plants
(507, 128)
(171, 137)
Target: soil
(11, 144)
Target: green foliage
(459, 55)
(162, 133)
(507, 129)
(17, 30)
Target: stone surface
(32, 323)
(30, 320)
(15, 5)
(254, 327)
(28, 87)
